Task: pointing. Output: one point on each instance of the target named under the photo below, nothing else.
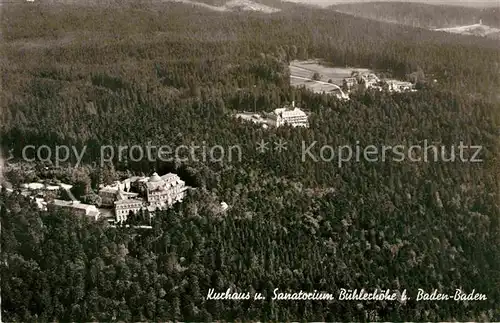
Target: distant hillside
(266, 6)
(463, 3)
(474, 30)
(422, 15)
(271, 3)
(254, 5)
(235, 5)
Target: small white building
(66, 187)
(33, 186)
(349, 83)
(52, 188)
(253, 118)
(399, 86)
(40, 203)
(370, 79)
(75, 207)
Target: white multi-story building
(288, 115)
(165, 190)
(123, 207)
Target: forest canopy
(174, 74)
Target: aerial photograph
(249, 161)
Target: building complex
(372, 81)
(117, 200)
(288, 115)
(143, 193)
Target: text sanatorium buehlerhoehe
(349, 295)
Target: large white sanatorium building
(152, 192)
(279, 117)
(288, 115)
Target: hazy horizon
(468, 3)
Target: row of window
(128, 206)
(295, 118)
(173, 189)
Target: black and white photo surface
(249, 160)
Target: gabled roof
(170, 177)
(109, 189)
(296, 112)
(75, 205)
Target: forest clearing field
(306, 69)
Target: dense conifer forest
(171, 74)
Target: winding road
(345, 96)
